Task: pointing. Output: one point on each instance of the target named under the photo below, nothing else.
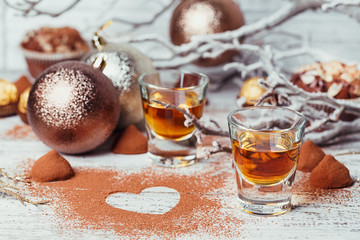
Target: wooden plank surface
(316, 215)
(331, 214)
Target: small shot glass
(266, 146)
(165, 94)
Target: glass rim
(297, 126)
(203, 76)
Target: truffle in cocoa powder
(131, 141)
(310, 156)
(22, 84)
(51, 167)
(330, 173)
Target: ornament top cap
(97, 41)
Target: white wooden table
(329, 216)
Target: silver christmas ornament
(122, 64)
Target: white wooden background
(333, 33)
(327, 31)
(329, 216)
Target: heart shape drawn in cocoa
(153, 200)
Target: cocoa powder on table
(304, 193)
(21, 131)
(80, 202)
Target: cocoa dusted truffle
(51, 167)
(22, 83)
(330, 173)
(131, 141)
(310, 156)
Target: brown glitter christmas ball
(72, 107)
(200, 17)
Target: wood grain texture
(316, 215)
(162, 200)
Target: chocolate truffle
(51, 167)
(330, 173)
(131, 141)
(310, 156)
(22, 84)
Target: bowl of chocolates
(46, 46)
(337, 79)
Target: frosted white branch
(323, 113)
(279, 91)
(203, 128)
(350, 8)
(215, 44)
(335, 3)
(29, 8)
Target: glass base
(272, 199)
(173, 154)
(174, 161)
(263, 207)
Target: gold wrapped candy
(251, 91)
(22, 105)
(8, 98)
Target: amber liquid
(169, 123)
(265, 159)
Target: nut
(334, 89)
(307, 78)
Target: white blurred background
(334, 33)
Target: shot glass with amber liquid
(166, 95)
(266, 146)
